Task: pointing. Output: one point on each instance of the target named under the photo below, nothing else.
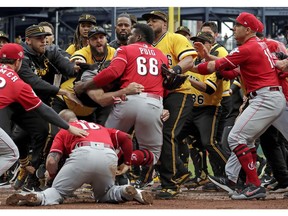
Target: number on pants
(142, 66)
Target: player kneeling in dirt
(92, 160)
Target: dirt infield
(188, 199)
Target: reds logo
(134, 157)
(236, 50)
(251, 166)
(21, 54)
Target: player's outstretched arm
(108, 98)
(51, 116)
(282, 65)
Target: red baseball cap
(11, 51)
(261, 26)
(247, 20)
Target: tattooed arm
(52, 162)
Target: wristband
(202, 68)
(177, 69)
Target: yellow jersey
(203, 99)
(220, 51)
(71, 49)
(176, 47)
(85, 54)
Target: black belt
(87, 143)
(254, 93)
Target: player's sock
(245, 158)
(254, 155)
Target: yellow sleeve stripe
(189, 52)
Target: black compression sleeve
(51, 116)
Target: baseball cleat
(183, 178)
(141, 196)
(223, 183)
(23, 199)
(250, 192)
(278, 188)
(168, 193)
(195, 182)
(144, 197)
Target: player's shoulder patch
(235, 50)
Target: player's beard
(157, 32)
(122, 37)
(96, 53)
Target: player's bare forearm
(108, 98)
(81, 87)
(201, 86)
(52, 162)
(282, 65)
(185, 63)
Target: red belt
(87, 143)
(254, 93)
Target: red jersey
(139, 62)
(64, 142)
(14, 89)
(256, 63)
(275, 46)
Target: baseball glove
(172, 80)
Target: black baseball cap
(156, 14)
(87, 18)
(183, 29)
(5, 36)
(203, 36)
(36, 30)
(96, 30)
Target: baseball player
(11, 56)
(266, 98)
(207, 93)
(97, 53)
(92, 160)
(271, 147)
(226, 116)
(179, 102)
(185, 31)
(44, 68)
(138, 62)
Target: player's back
(275, 46)
(143, 65)
(248, 56)
(14, 89)
(66, 141)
